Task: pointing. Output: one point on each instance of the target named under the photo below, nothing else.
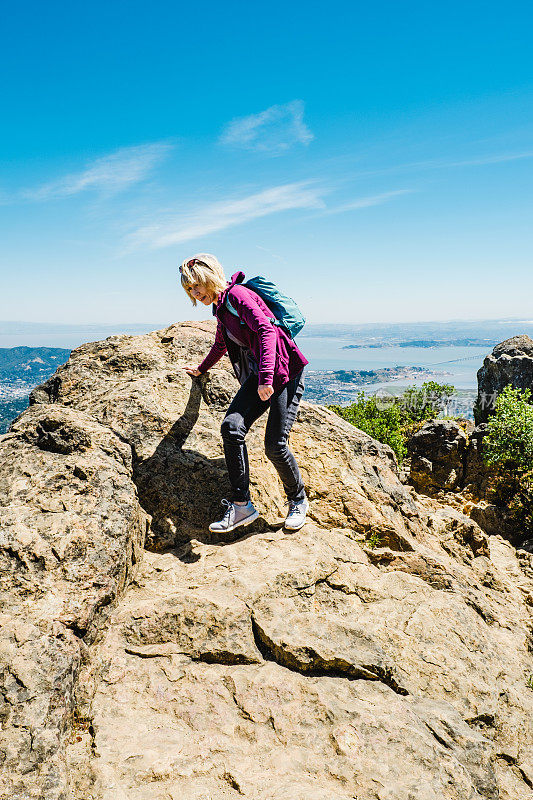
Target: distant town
(342, 386)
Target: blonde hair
(205, 270)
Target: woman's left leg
(283, 410)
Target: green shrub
(427, 401)
(382, 424)
(508, 449)
(509, 440)
(392, 419)
(374, 540)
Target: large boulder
(71, 537)
(446, 461)
(447, 456)
(136, 385)
(437, 453)
(511, 362)
(477, 474)
(382, 651)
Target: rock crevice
(308, 661)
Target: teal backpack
(287, 315)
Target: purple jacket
(277, 356)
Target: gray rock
(476, 473)
(511, 362)
(437, 453)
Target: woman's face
(202, 294)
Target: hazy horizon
(467, 320)
(67, 335)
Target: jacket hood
(237, 277)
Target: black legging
(244, 409)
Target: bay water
(455, 365)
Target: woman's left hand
(264, 391)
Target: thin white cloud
(224, 214)
(482, 161)
(495, 159)
(272, 131)
(109, 174)
(366, 202)
(270, 253)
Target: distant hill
(29, 362)
(406, 334)
(464, 342)
(21, 369)
(10, 409)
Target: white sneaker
(296, 515)
(234, 516)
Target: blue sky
(376, 160)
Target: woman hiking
(269, 367)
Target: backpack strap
(229, 306)
(233, 311)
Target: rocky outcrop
(382, 651)
(137, 387)
(446, 456)
(438, 453)
(511, 362)
(71, 534)
(446, 462)
(476, 473)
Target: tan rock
(71, 532)
(306, 666)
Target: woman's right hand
(194, 372)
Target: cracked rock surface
(71, 534)
(141, 659)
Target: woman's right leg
(243, 411)
(283, 410)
